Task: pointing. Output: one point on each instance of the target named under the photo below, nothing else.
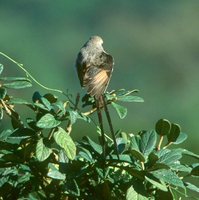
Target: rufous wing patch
(97, 85)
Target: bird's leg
(101, 127)
(110, 125)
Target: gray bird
(94, 67)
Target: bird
(94, 67)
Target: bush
(40, 160)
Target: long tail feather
(101, 127)
(110, 125)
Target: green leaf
(129, 98)
(163, 127)
(188, 153)
(135, 142)
(59, 105)
(138, 155)
(121, 111)
(42, 152)
(63, 139)
(3, 92)
(96, 147)
(1, 68)
(181, 138)
(19, 101)
(5, 134)
(47, 121)
(14, 79)
(54, 173)
(170, 157)
(62, 157)
(176, 194)
(179, 167)
(148, 142)
(174, 133)
(18, 84)
(169, 177)
(73, 116)
(84, 153)
(133, 195)
(192, 187)
(46, 103)
(158, 185)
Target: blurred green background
(155, 45)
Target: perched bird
(94, 67)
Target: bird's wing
(98, 74)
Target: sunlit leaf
(17, 84)
(181, 138)
(96, 147)
(158, 185)
(121, 111)
(73, 116)
(133, 195)
(135, 142)
(54, 173)
(19, 101)
(47, 121)
(170, 157)
(188, 153)
(148, 142)
(192, 187)
(63, 139)
(5, 134)
(129, 98)
(169, 177)
(42, 152)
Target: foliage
(40, 160)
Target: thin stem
(167, 145)
(110, 125)
(142, 164)
(89, 112)
(29, 75)
(5, 107)
(160, 142)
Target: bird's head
(97, 40)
